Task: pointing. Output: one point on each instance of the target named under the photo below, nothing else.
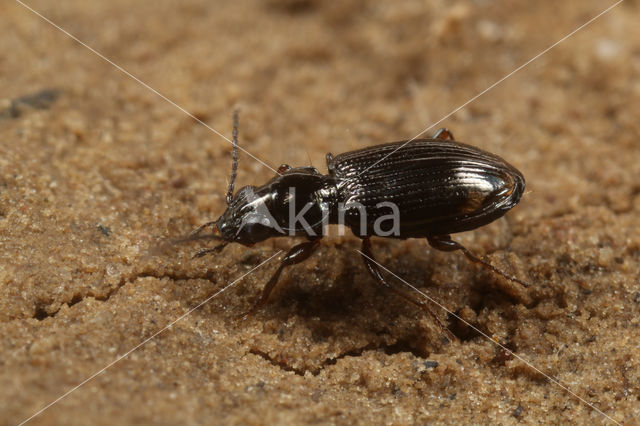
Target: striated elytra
(440, 186)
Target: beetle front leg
(445, 243)
(376, 273)
(296, 254)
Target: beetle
(433, 187)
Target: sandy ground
(97, 173)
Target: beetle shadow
(349, 305)
(465, 289)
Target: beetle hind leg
(445, 243)
(376, 273)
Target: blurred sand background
(97, 172)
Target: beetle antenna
(234, 164)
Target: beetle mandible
(435, 186)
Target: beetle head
(247, 219)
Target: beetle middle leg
(376, 273)
(296, 254)
(445, 243)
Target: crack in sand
(41, 312)
(389, 349)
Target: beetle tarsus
(445, 243)
(376, 273)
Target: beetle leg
(204, 252)
(444, 134)
(376, 273)
(296, 254)
(445, 243)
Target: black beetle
(427, 188)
